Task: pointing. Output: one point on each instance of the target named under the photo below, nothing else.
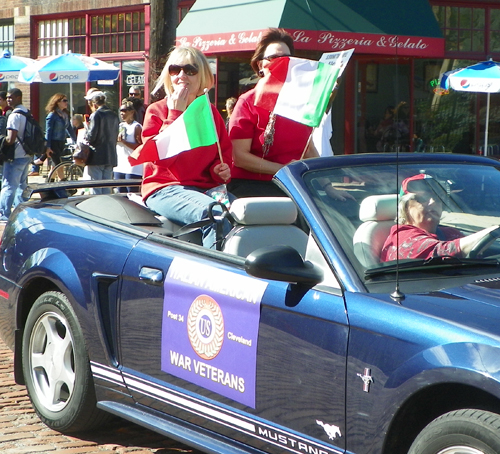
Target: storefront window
(452, 121)
(132, 76)
(441, 119)
(383, 106)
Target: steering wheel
(484, 243)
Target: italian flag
(193, 129)
(297, 89)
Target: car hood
(475, 305)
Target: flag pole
(307, 145)
(205, 91)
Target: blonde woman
(175, 187)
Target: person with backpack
(15, 170)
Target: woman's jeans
(14, 181)
(185, 205)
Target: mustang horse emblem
(331, 430)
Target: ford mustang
(291, 337)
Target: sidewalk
(21, 432)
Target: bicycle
(67, 167)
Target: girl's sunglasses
(189, 70)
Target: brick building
(115, 31)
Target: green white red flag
(193, 129)
(297, 89)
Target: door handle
(152, 275)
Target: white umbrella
(10, 65)
(483, 77)
(68, 68)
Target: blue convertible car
(294, 337)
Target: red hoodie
(190, 168)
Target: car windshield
(466, 196)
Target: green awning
(410, 27)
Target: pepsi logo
(53, 77)
(2, 76)
(464, 83)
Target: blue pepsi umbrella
(10, 66)
(483, 77)
(68, 68)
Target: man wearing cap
(417, 234)
(102, 136)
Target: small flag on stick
(193, 129)
(297, 89)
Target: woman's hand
(178, 100)
(467, 243)
(49, 152)
(223, 171)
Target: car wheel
(56, 366)
(460, 432)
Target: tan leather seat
(264, 221)
(378, 213)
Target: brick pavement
(21, 432)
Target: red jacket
(190, 168)
(416, 243)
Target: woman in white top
(129, 138)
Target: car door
(262, 362)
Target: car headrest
(263, 211)
(379, 208)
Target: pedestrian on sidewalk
(15, 171)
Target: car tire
(465, 431)
(56, 366)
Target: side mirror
(282, 263)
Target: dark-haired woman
(57, 130)
(263, 142)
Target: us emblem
(205, 326)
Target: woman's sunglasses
(189, 70)
(64, 100)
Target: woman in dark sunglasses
(263, 142)
(57, 130)
(175, 187)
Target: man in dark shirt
(102, 136)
